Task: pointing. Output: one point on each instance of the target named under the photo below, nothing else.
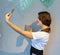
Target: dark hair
(45, 18)
(47, 30)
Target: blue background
(11, 41)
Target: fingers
(9, 14)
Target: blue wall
(12, 43)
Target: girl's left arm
(16, 28)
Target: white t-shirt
(39, 40)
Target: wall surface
(12, 43)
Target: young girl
(38, 39)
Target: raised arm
(16, 28)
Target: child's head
(45, 18)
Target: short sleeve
(37, 35)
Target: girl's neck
(44, 27)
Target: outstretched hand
(8, 16)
